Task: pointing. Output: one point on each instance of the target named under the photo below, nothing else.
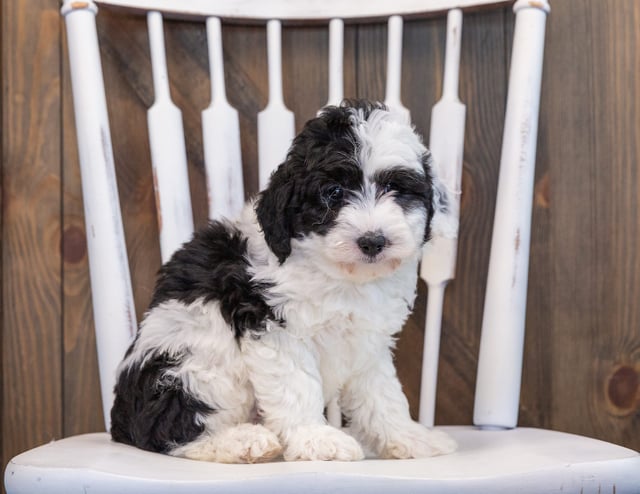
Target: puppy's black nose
(372, 243)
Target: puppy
(256, 325)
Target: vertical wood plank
(3, 146)
(187, 58)
(371, 63)
(246, 76)
(616, 373)
(305, 70)
(31, 322)
(591, 143)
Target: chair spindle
(446, 142)
(221, 137)
(168, 152)
(394, 67)
(112, 296)
(501, 345)
(276, 124)
(336, 61)
(336, 94)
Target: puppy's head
(354, 195)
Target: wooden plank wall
(582, 362)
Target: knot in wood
(623, 390)
(74, 244)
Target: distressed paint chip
(157, 194)
(516, 245)
(133, 325)
(543, 192)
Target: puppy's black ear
(274, 212)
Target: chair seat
(518, 460)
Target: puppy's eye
(333, 195)
(389, 187)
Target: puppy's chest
(349, 341)
(339, 314)
(347, 326)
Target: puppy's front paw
(416, 441)
(243, 443)
(321, 442)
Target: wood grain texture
(616, 101)
(582, 350)
(31, 321)
(245, 51)
(591, 143)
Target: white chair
(494, 456)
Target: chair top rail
(257, 11)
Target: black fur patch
(409, 189)
(152, 410)
(213, 266)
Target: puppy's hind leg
(228, 436)
(242, 443)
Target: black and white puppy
(255, 326)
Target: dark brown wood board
(32, 332)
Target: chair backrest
(500, 360)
